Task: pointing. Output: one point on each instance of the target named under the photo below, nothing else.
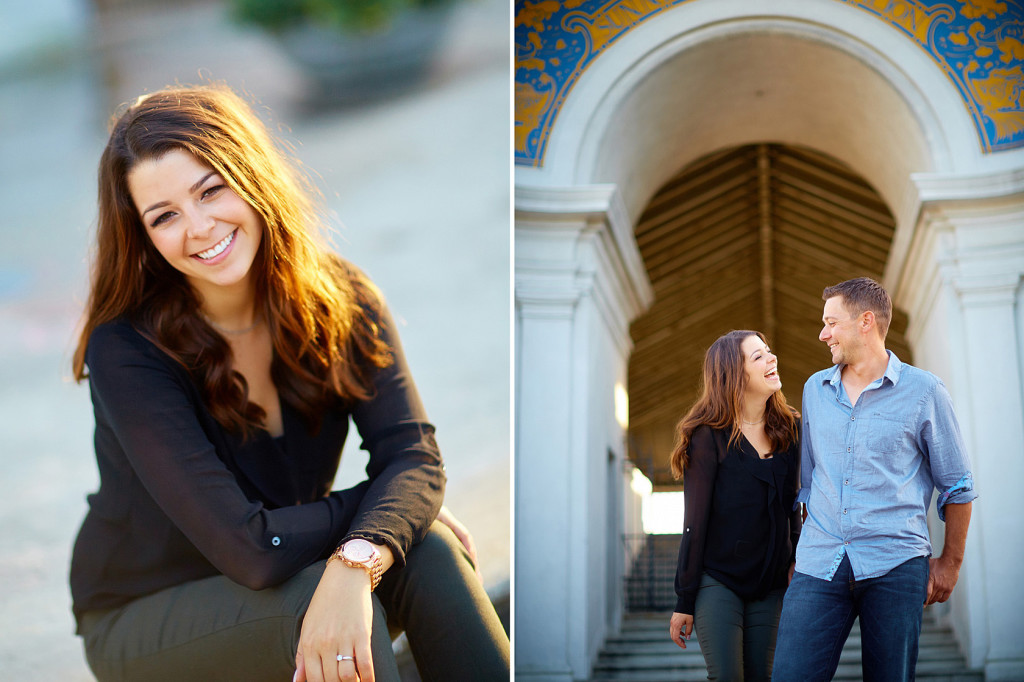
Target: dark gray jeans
(214, 629)
(737, 637)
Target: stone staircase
(642, 651)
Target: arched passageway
(745, 238)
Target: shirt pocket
(744, 549)
(886, 434)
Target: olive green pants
(215, 629)
(737, 637)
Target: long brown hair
(322, 313)
(719, 405)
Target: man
(878, 435)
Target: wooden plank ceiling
(746, 238)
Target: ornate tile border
(978, 44)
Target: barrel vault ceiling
(746, 238)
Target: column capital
(580, 201)
(974, 244)
(946, 187)
(596, 208)
(549, 298)
(987, 290)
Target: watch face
(358, 550)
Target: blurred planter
(355, 51)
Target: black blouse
(741, 527)
(181, 498)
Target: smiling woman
(738, 448)
(200, 226)
(227, 350)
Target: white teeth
(217, 248)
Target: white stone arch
(920, 102)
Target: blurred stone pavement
(417, 186)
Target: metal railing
(650, 571)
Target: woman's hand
(338, 622)
(446, 517)
(680, 628)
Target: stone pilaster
(577, 286)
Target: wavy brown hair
(323, 314)
(719, 405)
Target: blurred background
(414, 168)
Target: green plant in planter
(345, 16)
(354, 50)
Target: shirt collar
(893, 368)
(892, 371)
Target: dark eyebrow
(194, 188)
(191, 190)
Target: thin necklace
(233, 332)
(752, 423)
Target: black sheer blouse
(741, 527)
(180, 498)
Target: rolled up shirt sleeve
(961, 493)
(941, 441)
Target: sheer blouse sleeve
(792, 494)
(699, 485)
(405, 470)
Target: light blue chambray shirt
(867, 471)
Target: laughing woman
(737, 452)
(227, 350)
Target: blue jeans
(817, 616)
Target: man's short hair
(862, 294)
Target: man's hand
(942, 576)
(944, 571)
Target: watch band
(372, 563)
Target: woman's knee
(437, 575)
(440, 547)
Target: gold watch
(359, 553)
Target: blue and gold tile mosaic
(978, 45)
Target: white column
(542, 481)
(961, 284)
(993, 363)
(574, 294)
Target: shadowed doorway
(745, 238)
